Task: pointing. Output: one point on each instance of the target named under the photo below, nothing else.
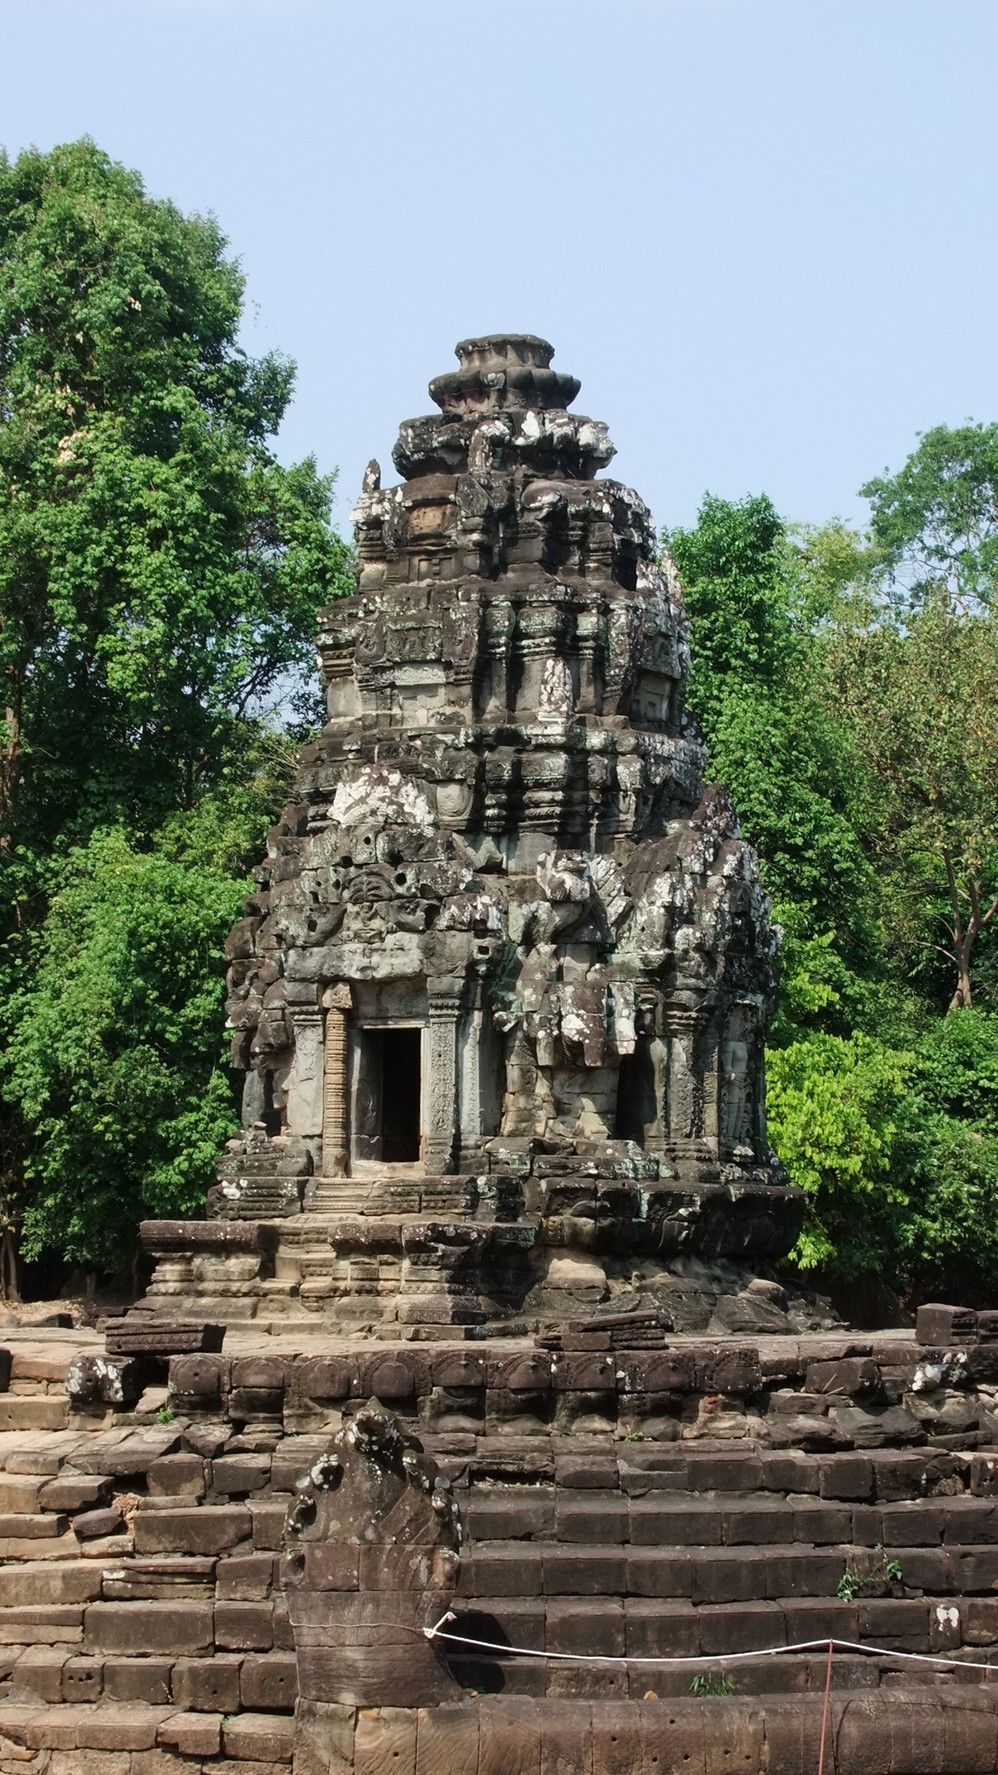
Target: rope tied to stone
(825, 1706)
(691, 1659)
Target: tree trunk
(963, 996)
(964, 940)
(10, 765)
(10, 1282)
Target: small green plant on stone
(165, 1414)
(711, 1684)
(853, 1584)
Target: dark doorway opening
(400, 1094)
(636, 1106)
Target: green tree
(936, 520)
(159, 571)
(848, 688)
(758, 595)
(116, 1051)
(835, 1118)
(160, 575)
(922, 695)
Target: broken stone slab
(221, 1235)
(938, 1325)
(104, 1380)
(143, 1335)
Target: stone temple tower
(500, 994)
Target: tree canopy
(159, 570)
(160, 575)
(936, 520)
(848, 687)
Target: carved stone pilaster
(444, 1001)
(335, 1146)
(305, 1085)
(685, 1092)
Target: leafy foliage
(921, 698)
(936, 521)
(160, 575)
(159, 571)
(755, 594)
(834, 1119)
(848, 688)
(115, 1055)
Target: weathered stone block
(941, 1326)
(199, 1378)
(583, 1571)
(668, 1371)
(247, 1577)
(572, 1625)
(137, 1679)
(723, 1370)
(207, 1685)
(264, 1737)
(592, 1516)
(178, 1475)
(43, 1527)
(657, 1571)
(323, 1377)
(268, 1524)
(75, 1491)
(244, 1626)
(205, 1529)
(269, 1683)
(270, 1373)
(68, 1581)
(41, 1624)
(160, 1627)
(104, 1380)
(82, 1679)
(39, 1669)
(92, 1525)
(192, 1734)
(845, 1476)
(856, 1377)
(240, 1473)
(255, 1402)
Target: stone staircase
(142, 1619)
(699, 1552)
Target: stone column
(444, 996)
(682, 1030)
(713, 1086)
(336, 1002)
(734, 1083)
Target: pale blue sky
(761, 231)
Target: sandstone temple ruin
(478, 1427)
(500, 996)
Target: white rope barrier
(805, 1645)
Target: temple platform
(636, 1516)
